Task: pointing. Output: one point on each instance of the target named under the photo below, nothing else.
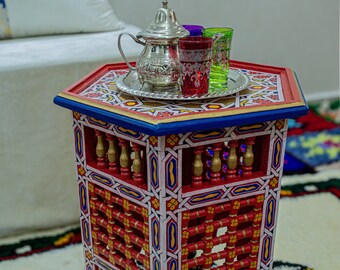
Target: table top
(273, 93)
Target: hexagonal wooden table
(181, 185)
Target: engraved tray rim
(239, 80)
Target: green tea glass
(221, 54)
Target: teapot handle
(121, 50)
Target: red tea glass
(195, 54)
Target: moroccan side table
(181, 185)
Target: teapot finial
(164, 26)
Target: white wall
(301, 34)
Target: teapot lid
(165, 25)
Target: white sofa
(37, 176)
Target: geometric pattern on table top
(264, 88)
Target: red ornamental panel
(120, 233)
(223, 236)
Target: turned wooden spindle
(256, 229)
(239, 154)
(232, 235)
(232, 160)
(216, 164)
(137, 165)
(100, 150)
(124, 160)
(197, 168)
(112, 236)
(94, 215)
(112, 155)
(248, 157)
(209, 232)
(128, 232)
(146, 233)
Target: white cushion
(36, 152)
(20, 18)
(40, 52)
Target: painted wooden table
(181, 185)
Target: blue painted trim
(106, 116)
(183, 126)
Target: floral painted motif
(195, 55)
(195, 71)
(263, 88)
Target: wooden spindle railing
(222, 162)
(114, 155)
(213, 164)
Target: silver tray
(129, 83)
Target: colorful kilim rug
(313, 140)
(308, 225)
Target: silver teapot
(158, 64)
